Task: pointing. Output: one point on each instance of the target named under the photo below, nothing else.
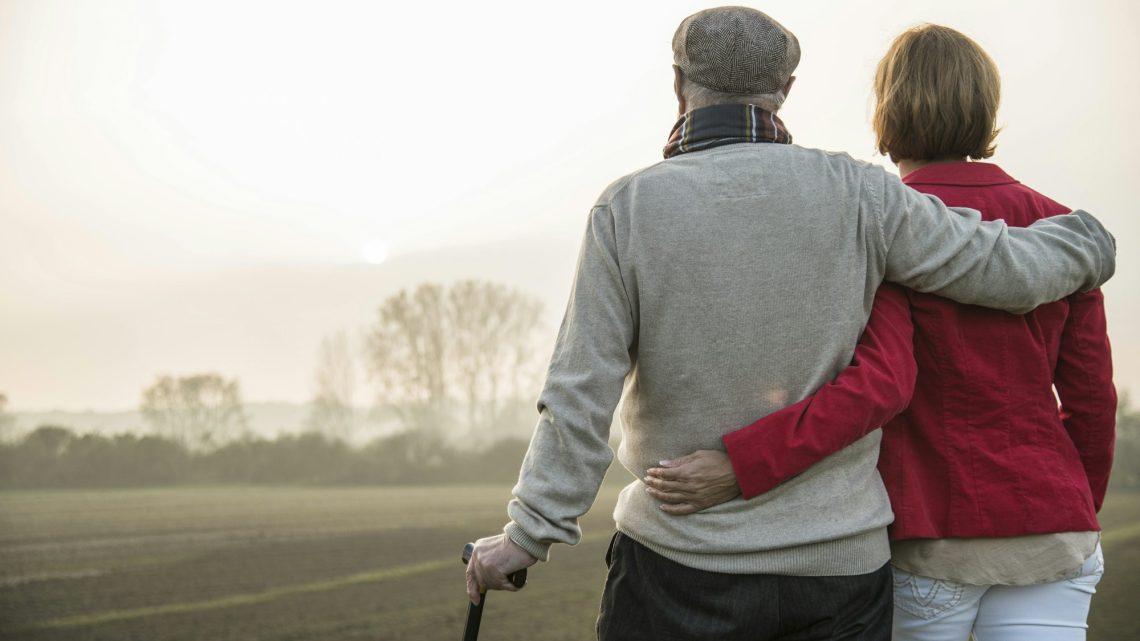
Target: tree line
(455, 371)
(53, 456)
(447, 364)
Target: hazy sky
(189, 186)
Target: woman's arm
(1083, 379)
(875, 388)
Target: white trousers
(929, 609)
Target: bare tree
(493, 331)
(332, 408)
(406, 356)
(198, 410)
(472, 344)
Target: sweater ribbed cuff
(537, 549)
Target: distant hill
(265, 419)
(271, 419)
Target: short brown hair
(936, 95)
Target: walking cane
(475, 610)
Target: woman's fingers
(668, 486)
(668, 473)
(677, 462)
(680, 509)
(668, 497)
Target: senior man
(723, 283)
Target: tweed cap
(735, 50)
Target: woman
(995, 492)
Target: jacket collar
(961, 173)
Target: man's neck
(907, 166)
(687, 107)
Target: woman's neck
(907, 166)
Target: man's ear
(788, 86)
(678, 80)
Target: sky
(214, 186)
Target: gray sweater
(718, 286)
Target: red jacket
(982, 449)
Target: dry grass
(329, 564)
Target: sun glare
(374, 252)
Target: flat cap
(735, 50)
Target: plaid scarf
(717, 125)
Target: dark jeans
(648, 596)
